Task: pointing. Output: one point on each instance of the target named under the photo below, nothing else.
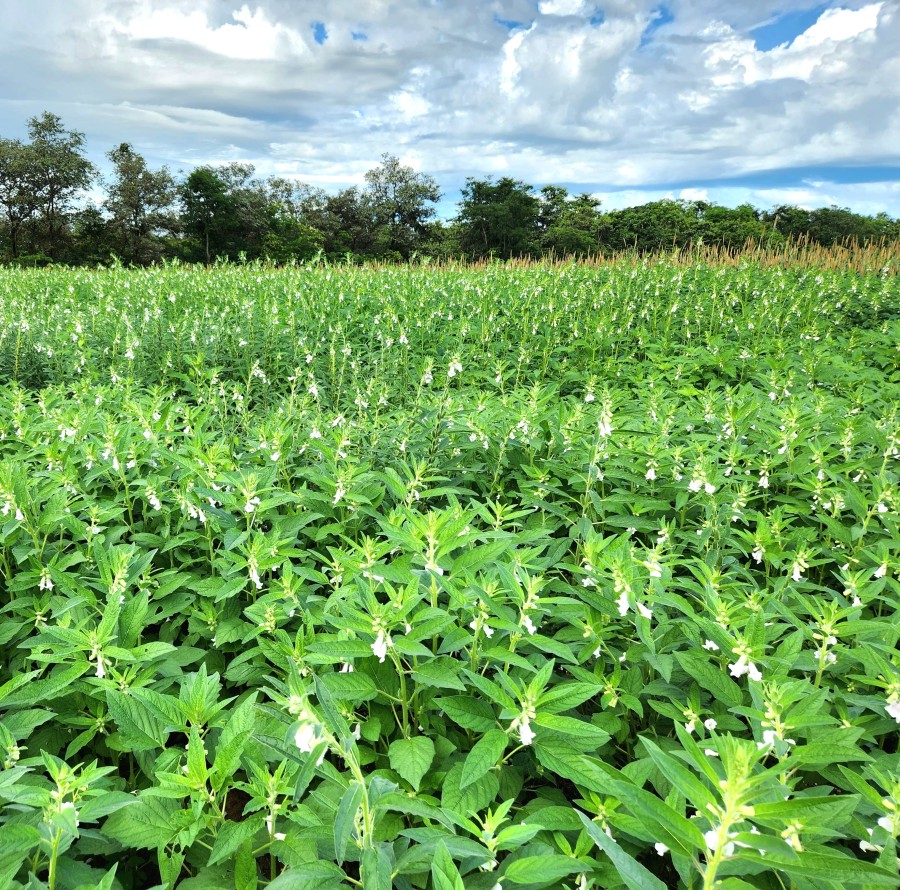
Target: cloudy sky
(767, 101)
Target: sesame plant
(440, 578)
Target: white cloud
(563, 98)
(250, 36)
(409, 104)
(561, 7)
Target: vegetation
(559, 576)
(226, 212)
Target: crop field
(450, 578)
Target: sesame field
(487, 578)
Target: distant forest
(226, 212)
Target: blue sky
(759, 101)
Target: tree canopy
(228, 212)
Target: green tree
(787, 220)
(140, 204)
(731, 227)
(17, 192)
(569, 226)
(499, 219)
(400, 202)
(209, 214)
(834, 225)
(659, 225)
(58, 173)
(92, 239)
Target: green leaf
(483, 757)
(682, 778)
(345, 819)
(821, 753)
(711, 679)
(586, 733)
(440, 673)
(543, 869)
(635, 876)
(444, 873)
(245, 874)
(375, 868)
(842, 870)
(468, 712)
(412, 758)
(231, 835)
(16, 843)
(232, 742)
(474, 798)
(355, 687)
(147, 824)
(140, 728)
(308, 876)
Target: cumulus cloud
(622, 98)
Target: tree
(732, 228)
(834, 225)
(399, 200)
(498, 219)
(58, 172)
(139, 201)
(789, 221)
(659, 225)
(569, 226)
(17, 192)
(209, 214)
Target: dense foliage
(226, 212)
(513, 577)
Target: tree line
(227, 212)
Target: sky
(732, 101)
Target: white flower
(251, 505)
(604, 425)
(711, 646)
(764, 481)
(881, 571)
(644, 611)
(893, 708)
(526, 733)
(381, 644)
(661, 849)
(889, 823)
(710, 724)
(650, 475)
(758, 554)
(744, 666)
(528, 624)
(709, 488)
(622, 603)
(695, 484)
(712, 842)
(307, 737)
(46, 582)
